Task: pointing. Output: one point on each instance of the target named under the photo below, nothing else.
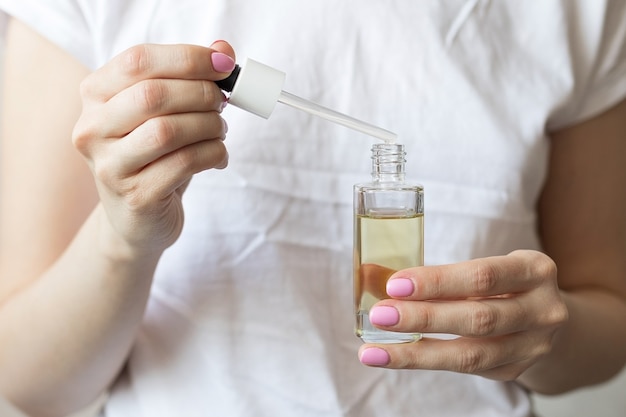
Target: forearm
(588, 349)
(583, 228)
(64, 337)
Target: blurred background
(606, 400)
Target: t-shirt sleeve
(63, 22)
(598, 53)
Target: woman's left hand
(505, 310)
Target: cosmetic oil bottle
(388, 236)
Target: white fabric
(251, 310)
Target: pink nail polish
(384, 316)
(222, 62)
(374, 357)
(400, 287)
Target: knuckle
(485, 279)
(160, 132)
(88, 87)
(135, 60)
(434, 287)
(80, 138)
(470, 360)
(544, 267)
(136, 198)
(557, 315)
(187, 60)
(424, 318)
(187, 157)
(483, 320)
(128, 191)
(83, 135)
(150, 95)
(104, 170)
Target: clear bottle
(388, 236)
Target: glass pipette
(336, 117)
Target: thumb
(223, 56)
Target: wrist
(118, 249)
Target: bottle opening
(388, 160)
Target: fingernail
(225, 126)
(222, 62)
(384, 316)
(223, 105)
(400, 287)
(374, 357)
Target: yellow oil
(385, 241)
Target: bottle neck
(388, 162)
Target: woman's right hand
(150, 121)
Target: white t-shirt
(251, 310)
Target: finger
(223, 47)
(115, 160)
(163, 177)
(485, 277)
(464, 355)
(163, 135)
(156, 97)
(473, 318)
(149, 61)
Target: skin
(86, 234)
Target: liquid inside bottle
(389, 230)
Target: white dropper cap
(254, 87)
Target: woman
(512, 117)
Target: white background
(607, 400)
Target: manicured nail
(384, 316)
(222, 62)
(374, 357)
(400, 287)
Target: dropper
(257, 88)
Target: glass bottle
(388, 236)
